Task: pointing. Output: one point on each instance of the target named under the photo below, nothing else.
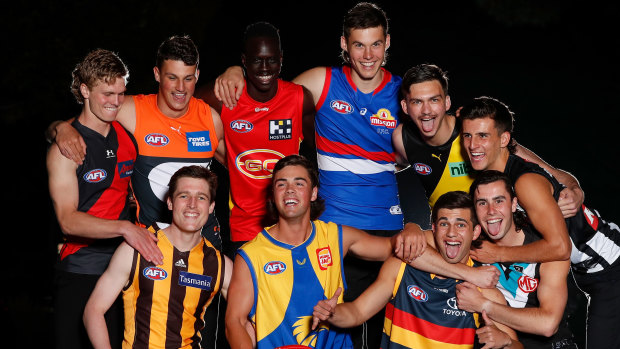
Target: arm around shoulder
(314, 80)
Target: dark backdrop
(553, 62)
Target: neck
(262, 96)
(182, 240)
(444, 132)
(165, 109)
(500, 163)
(91, 121)
(512, 238)
(367, 85)
(292, 232)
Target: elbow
(549, 329)
(563, 249)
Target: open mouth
(452, 249)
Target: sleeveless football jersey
(165, 304)
(289, 281)
(355, 154)
(257, 135)
(164, 146)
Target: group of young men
(402, 285)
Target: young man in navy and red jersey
(264, 126)
(91, 199)
(595, 256)
(356, 112)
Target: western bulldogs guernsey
(423, 313)
(103, 180)
(596, 243)
(257, 135)
(440, 169)
(355, 154)
(518, 283)
(289, 281)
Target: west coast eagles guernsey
(289, 281)
(441, 169)
(423, 313)
(355, 154)
(257, 135)
(103, 180)
(165, 304)
(164, 146)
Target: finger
(216, 89)
(486, 318)
(337, 293)
(315, 322)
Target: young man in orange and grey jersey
(265, 126)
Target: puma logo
(436, 156)
(177, 129)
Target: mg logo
(527, 284)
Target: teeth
(497, 220)
(453, 243)
(290, 202)
(368, 64)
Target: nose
(180, 85)
(367, 53)
(426, 109)
(192, 201)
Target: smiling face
(190, 204)
(485, 146)
(262, 61)
(104, 100)
(366, 50)
(177, 83)
(293, 192)
(494, 209)
(454, 231)
(427, 105)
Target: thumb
(315, 322)
(336, 294)
(485, 317)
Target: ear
(477, 230)
(387, 42)
(197, 73)
(84, 91)
(156, 73)
(403, 105)
(514, 205)
(315, 194)
(211, 207)
(343, 43)
(505, 139)
(243, 59)
(169, 202)
(448, 102)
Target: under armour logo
(109, 153)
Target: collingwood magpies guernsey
(103, 182)
(596, 242)
(355, 154)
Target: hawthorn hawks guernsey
(355, 154)
(164, 146)
(103, 180)
(257, 135)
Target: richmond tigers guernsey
(423, 313)
(257, 135)
(103, 180)
(289, 281)
(165, 305)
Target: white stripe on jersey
(359, 166)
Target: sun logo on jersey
(301, 331)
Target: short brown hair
(197, 172)
(98, 65)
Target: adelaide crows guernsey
(257, 135)
(355, 154)
(103, 181)
(164, 146)
(289, 281)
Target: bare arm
(64, 191)
(241, 293)
(228, 270)
(67, 139)
(228, 87)
(399, 147)
(494, 334)
(314, 80)
(364, 245)
(543, 320)
(106, 291)
(220, 152)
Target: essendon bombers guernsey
(596, 242)
(103, 180)
(165, 304)
(423, 313)
(355, 154)
(164, 146)
(257, 135)
(440, 168)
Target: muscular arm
(314, 80)
(228, 270)
(220, 152)
(106, 291)
(364, 245)
(64, 191)
(399, 147)
(240, 301)
(543, 320)
(494, 334)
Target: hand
(487, 253)
(485, 276)
(70, 142)
(144, 242)
(229, 86)
(491, 336)
(410, 243)
(570, 201)
(469, 298)
(324, 309)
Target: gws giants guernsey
(289, 281)
(103, 181)
(355, 154)
(257, 135)
(165, 304)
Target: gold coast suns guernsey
(257, 136)
(164, 146)
(423, 314)
(165, 304)
(289, 281)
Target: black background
(552, 62)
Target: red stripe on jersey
(326, 145)
(328, 79)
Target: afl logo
(95, 176)
(274, 267)
(241, 126)
(527, 284)
(154, 273)
(417, 293)
(341, 107)
(156, 139)
(422, 169)
(257, 163)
